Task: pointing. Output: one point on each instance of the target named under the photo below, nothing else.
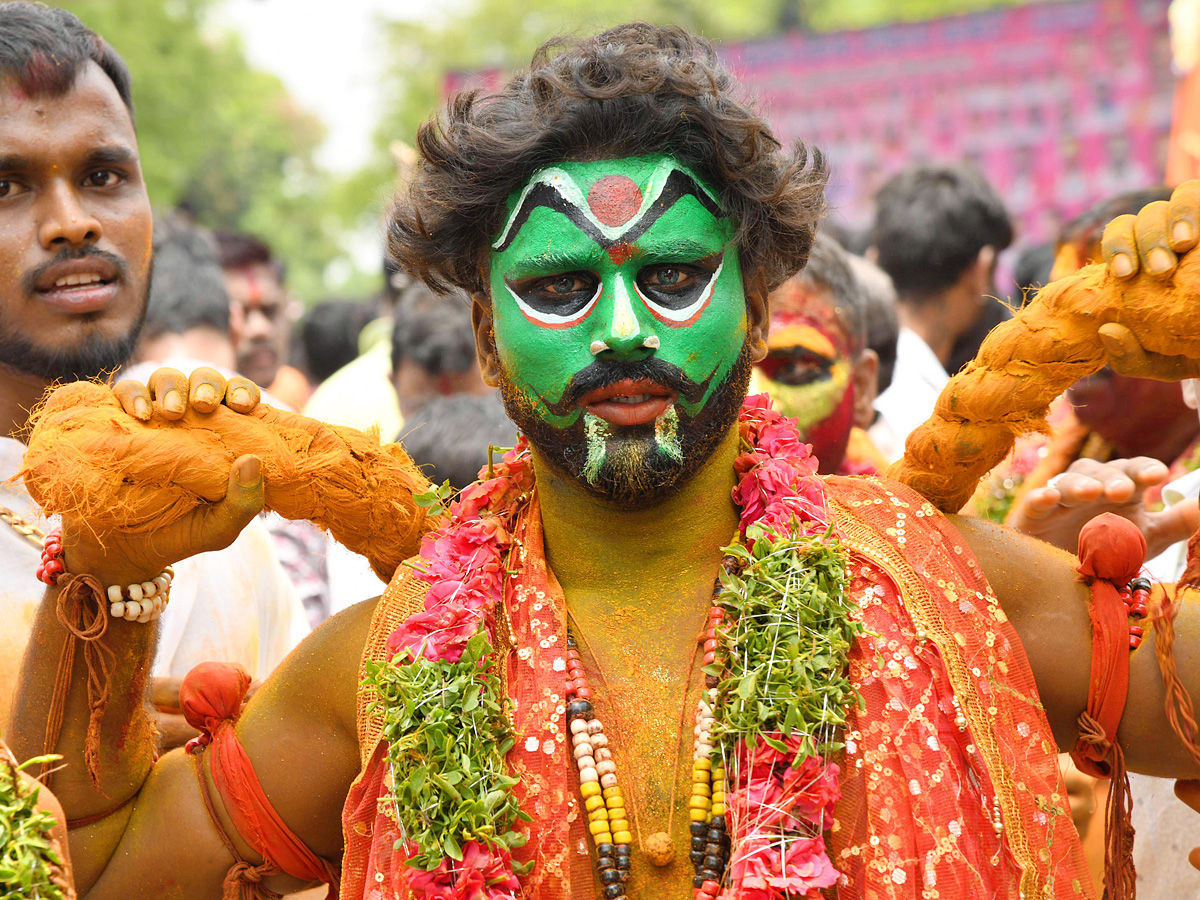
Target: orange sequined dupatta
(951, 787)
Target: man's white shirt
(917, 381)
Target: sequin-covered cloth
(950, 786)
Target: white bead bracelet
(142, 602)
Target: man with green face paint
(650, 655)
(620, 314)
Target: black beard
(93, 359)
(636, 472)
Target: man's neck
(929, 320)
(603, 556)
(20, 392)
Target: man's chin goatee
(635, 466)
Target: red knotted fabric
(1111, 553)
(211, 697)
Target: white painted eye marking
(688, 313)
(549, 319)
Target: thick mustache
(604, 372)
(31, 279)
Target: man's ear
(980, 271)
(485, 339)
(758, 315)
(865, 377)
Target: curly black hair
(633, 90)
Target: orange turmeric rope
(1029, 360)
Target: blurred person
(187, 312)
(937, 233)
(882, 331)
(818, 368)
(261, 310)
(361, 394)
(329, 334)
(449, 436)
(430, 354)
(433, 348)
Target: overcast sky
(328, 52)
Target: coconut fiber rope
(88, 458)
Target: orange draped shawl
(950, 784)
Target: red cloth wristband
(1111, 553)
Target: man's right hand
(124, 557)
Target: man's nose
(64, 220)
(625, 333)
(258, 324)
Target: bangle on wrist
(140, 602)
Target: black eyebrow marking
(678, 185)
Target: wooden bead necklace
(603, 799)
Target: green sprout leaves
(448, 732)
(789, 627)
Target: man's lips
(78, 285)
(628, 402)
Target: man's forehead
(799, 306)
(91, 111)
(611, 201)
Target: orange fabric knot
(211, 698)
(1111, 553)
(212, 695)
(1112, 549)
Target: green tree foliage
(220, 138)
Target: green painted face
(620, 260)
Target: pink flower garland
(464, 566)
(779, 488)
(485, 873)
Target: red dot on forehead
(615, 199)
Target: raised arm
(1048, 605)
(128, 810)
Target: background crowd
(965, 177)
